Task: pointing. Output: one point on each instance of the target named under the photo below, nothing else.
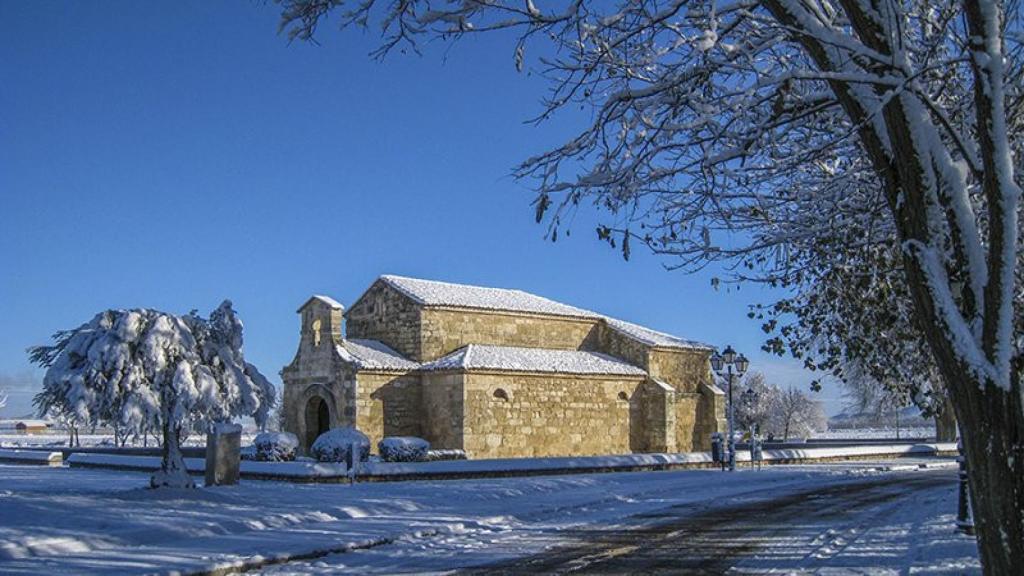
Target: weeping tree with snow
(143, 370)
(3, 398)
(757, 135)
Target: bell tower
(322, 319)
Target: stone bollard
(223, 454)
(352, 462)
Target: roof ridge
(440, 293)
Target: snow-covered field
(876, 433)
(73, 521)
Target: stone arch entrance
(317, 418)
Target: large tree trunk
(172, 472)
(992, 423)
(945, 423)
(994, 447)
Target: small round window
(623, 396)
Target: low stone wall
(314, 472)
(33, 457)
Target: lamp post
(749, 400)
(964, 522)
(729, 365)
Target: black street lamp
(730, 365)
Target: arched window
(500, 394)
(623, 396)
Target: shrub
(334, 445)
(275, 446)
(403, 449)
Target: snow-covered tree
(772, 410)
(755, 412)
(144, 370)
(768, 136)
(795, 414)
(3, 398)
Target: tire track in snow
(713, 540)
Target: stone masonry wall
(621, 346)
(385, 314)
(446, 330)
(388, 404)
(686, 420)
(684, 370)
(443, 408)
(547, 415)
(710, 416)
(660, 415)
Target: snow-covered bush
(445, 454)
(275, 446)
(334, 445)
(143, 370)
(403, 449)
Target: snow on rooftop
(373, 355)
(652, 337)
(328, 300)
(477, 356)
(325, 299)
(434, 293)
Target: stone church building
(497, 373)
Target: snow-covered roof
(514, 359)
(373, 355)
(434, 293)
(662, 385)
(325, 299)
(652, 337)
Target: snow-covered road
(832, 527)
(89, 521)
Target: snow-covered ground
(74, 521)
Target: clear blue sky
(174, 155)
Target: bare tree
(778, 412)
(796, 414)
(783, 138)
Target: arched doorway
(318, 419)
